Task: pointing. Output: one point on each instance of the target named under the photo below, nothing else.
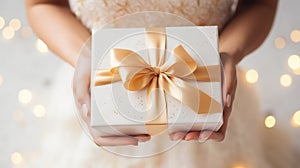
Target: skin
(54, 23)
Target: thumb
(229, 76)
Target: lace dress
(247, 142)
(97, 13)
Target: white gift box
(115, 110)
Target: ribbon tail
(105, 77)
(156, 109)
(195, 99)
(210, 73)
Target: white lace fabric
(97, 13)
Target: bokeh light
(41, 46)
(286, 80)
(270, 121)
(251, 76)
(297, 71)
(15, 24)
(2, 22)
(279, 42)
(8, 32)
(295, 36)
(294, 62)
(39, 111)
(16, 158)
(25, 96)
(296, 118)
(238, 166)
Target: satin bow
(160, 76)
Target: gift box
(153, 80)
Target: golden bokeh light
(39, 111)
(293, 124)
(279, 42)
(238, 166)
(270, 121)
(296, 118)
(16, 158)
(2, 22)
(295, 36)
(25, 96)
(286, 80)
(294, 62)
(8, 32)
(41, 46)
(297, 71)
(251, 76)
(15, 24)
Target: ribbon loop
(162, 77)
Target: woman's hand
(229, 87)
(81, 90)
(237, 40)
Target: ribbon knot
(156, 71)
(168, 76)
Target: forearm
(247, 30)
(58, 27)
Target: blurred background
(28, 71)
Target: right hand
(81, 91)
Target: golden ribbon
(161, 77)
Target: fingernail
(177, 137)
(228, 100)
(134, 144)
(188, 138)
(84, 110)
(141, 140)
(202, 138)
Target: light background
(23, 66)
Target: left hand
(229, 88)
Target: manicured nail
(228, 100)
(84, 110)
(177, 137)
(142, 139)
(188, 138)
(202, 138)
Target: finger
(220, 135)
(204, 136)
(82, 95)
(142, 137)
(216, 136)
(177, 136)
(82, 91)
(116, 141)
(201, 136)
(229, 84)
(192, 136)
(85, 112)
(229, 77)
